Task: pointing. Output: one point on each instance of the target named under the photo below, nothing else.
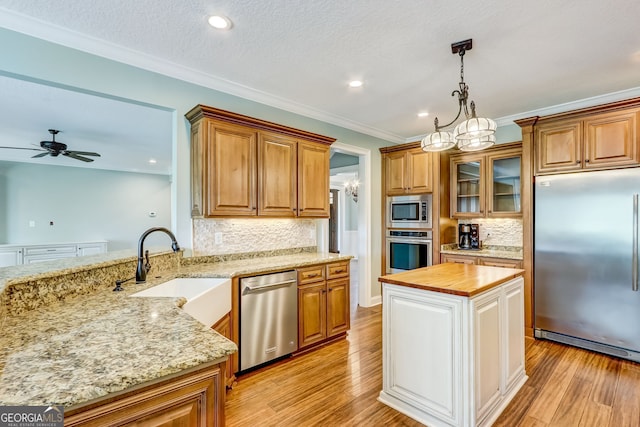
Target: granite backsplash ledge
(23, 293)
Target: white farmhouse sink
(208, 299)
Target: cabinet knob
(586, 161)
(330, 289)
(577, 161)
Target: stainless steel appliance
(407, 250)
(268, 318)
(586, 260)
(409, 211)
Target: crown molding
(63, 36)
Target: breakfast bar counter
(453, 343)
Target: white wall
(83, 204)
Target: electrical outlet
(217, 237)
(32, 223)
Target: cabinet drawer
(501, 262)
(311, 274)
(338, 269)
(50, 250)
(458, 259)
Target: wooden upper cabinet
(487, 183)
(232, 170)
(242, 166)
(408, 172)
(597, 141)
(611, 140)
(277, 175)
(313, 180)
(558, 147)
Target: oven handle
(405, 240)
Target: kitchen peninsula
(453, 342)
(68, 339)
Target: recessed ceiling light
(153, 161)
(220, 22)
(423, 114)
(355, 83)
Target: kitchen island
(453, 343)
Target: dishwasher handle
(261, 287)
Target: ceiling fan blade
(40, 155)
(73, 155)
(83, 153)
(22, 148)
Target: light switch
(32, 224)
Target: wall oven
(407, 250)
(409, 211)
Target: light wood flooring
(338, 386)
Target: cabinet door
(467, 186)
(487, 350)
(513, 306)
(558, 147)
(313, 180)
(10, 257)
(312, 312)
(277, 176)
(611, 140)
(499, 262)
(504, 185)
(337, 306)
(91, 248)
(231, 171)
(419, 172)
(395, 165)
(223, 327)
(458, 259)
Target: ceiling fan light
(438, 141)
(476, 144)
(475, 127)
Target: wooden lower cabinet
(476, 260)
(224, 328)
(323, 303)
(190, 400)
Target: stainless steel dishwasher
(268, 317)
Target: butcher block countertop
(451, 278)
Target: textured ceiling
(299, 55)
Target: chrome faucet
(143, 268)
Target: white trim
(364, 220)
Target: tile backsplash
(498, 231)
(239, 235)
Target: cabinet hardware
(339, 271)
(586, 161)
(578, 161)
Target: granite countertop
(457, 279)
(506, 252)
(71, 351)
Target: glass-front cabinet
(504, 179)
(468, 186)
(486, 184)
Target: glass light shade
(438, 141)
(476, 144)
(475, 127)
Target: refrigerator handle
(634, 261)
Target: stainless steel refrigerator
(586, 260)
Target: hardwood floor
(338, 385)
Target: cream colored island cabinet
(453, 343)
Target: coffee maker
(464, 236)
(468, 236)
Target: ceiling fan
(54, 149)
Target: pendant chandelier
(474, 133)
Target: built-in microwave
(409, 211)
